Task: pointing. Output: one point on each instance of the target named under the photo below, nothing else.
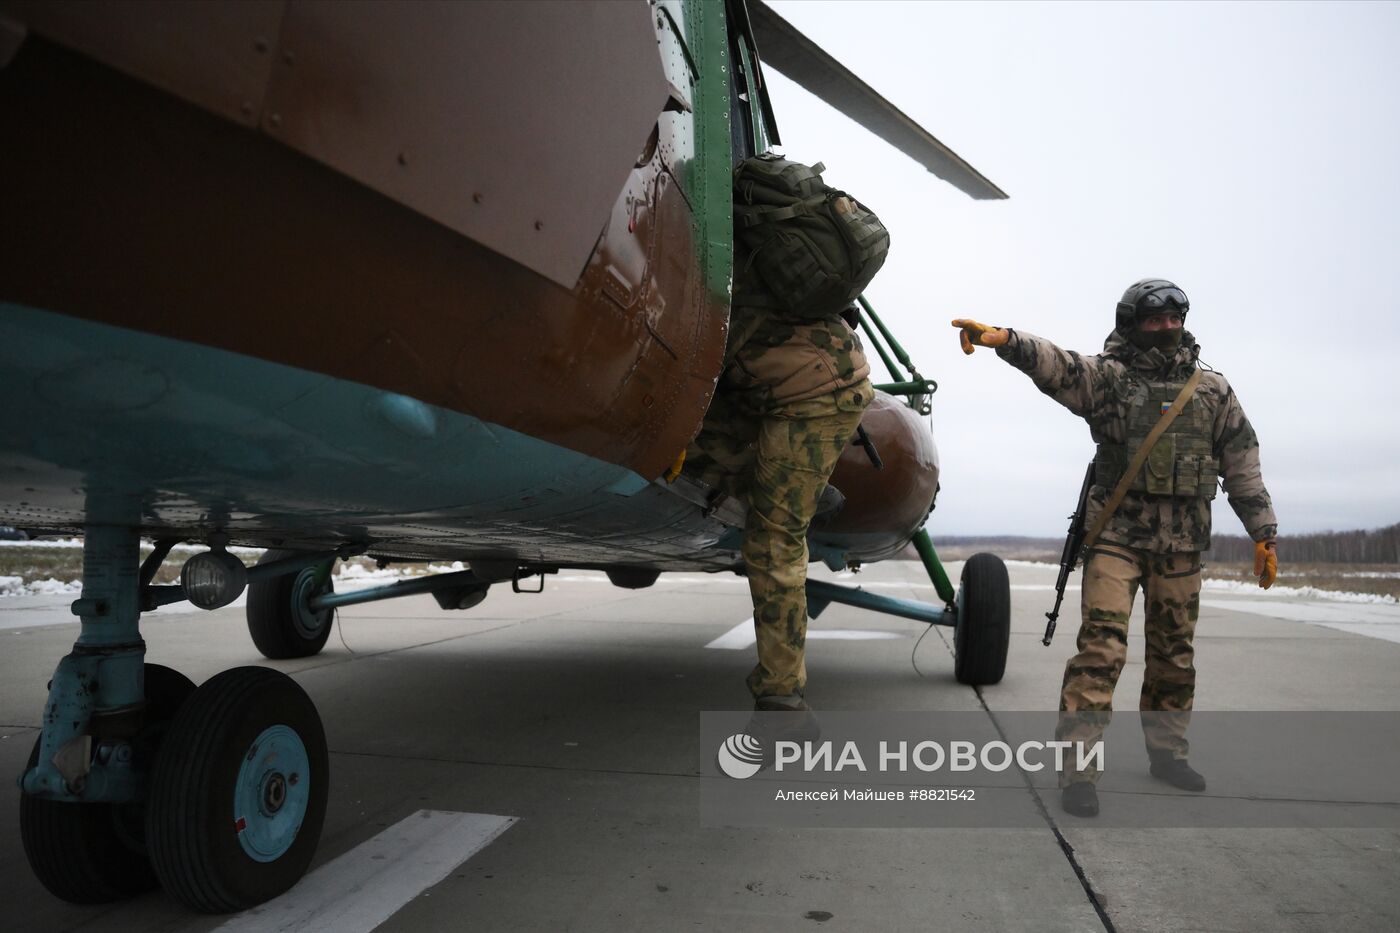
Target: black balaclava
(1168, 341)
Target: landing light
(213, 579)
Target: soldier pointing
(1165, 430)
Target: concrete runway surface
(531, 764)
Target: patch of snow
(15, 586)
(349, 577)
(64, 543)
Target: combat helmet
(1149, 296)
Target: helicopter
(341, 280)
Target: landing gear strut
(217, 793)
(96, 852)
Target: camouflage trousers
(779, 460)
(1171, 585)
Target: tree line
(1376, 546)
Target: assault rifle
(1070, 555)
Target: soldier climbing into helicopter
(1166, 429)
(790, 398)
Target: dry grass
(1378, 579)
(66, 564)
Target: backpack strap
(753, 216)
(1139, 459)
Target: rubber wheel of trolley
(239, 792)
(279, 620)
(983, 633)
(91, 853)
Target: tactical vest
(1180, 463)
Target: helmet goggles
(1167, 298)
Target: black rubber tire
(194, 844)
(983, 632)
(92, 853)
(277, 619)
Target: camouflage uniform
(787, 404)
(1153, 541)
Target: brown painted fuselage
(133, 204)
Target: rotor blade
(790, 52)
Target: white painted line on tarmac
(361, 889)
(742, 636)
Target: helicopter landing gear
(982, 634)
(217, 793)
(979, 612)
(280, 618)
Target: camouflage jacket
(1097, 388)
(774, 359)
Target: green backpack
(813, 248)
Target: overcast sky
(1249, 152)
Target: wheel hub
(270, 798)
(307, 623)
(274, 792)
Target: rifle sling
(1119, 491)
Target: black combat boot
(789, 718)
(782, 719)
(1177, 773)
(1080, 799)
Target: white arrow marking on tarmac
(741, 636)
(367, 885)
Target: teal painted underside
(103, 424)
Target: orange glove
(675, 470)
(980, 335)
(1265, 563)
